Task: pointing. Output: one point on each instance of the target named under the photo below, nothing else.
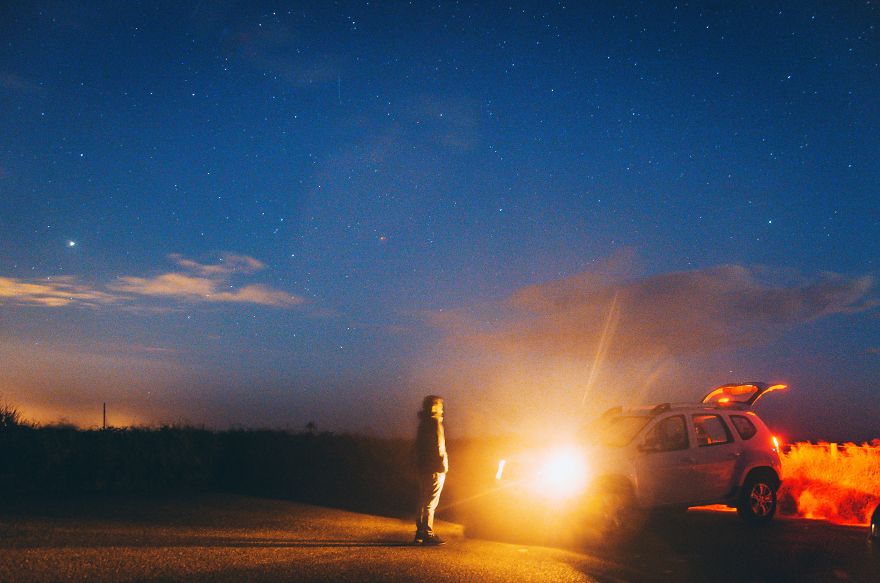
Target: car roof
(729, 397)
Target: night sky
(264, 214)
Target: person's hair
(430, 401)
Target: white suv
(666, 456)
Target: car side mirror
(649, 447)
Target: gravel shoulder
(234, 538)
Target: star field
(283, 212)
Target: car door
(664, 464)
(715, 456)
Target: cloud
(229, 264)
(258, 294)
(554, 354)
(689, 312)
(197, 283)
(273, 49)
(168, 284)
(208, 283)
(141, 349)
(51, 292)
(17, 84)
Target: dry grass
(836, 482)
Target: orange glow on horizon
(81, 418)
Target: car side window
(669, 434)
(744, 426)
(711, 430)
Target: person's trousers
(430, 486)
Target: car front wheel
(758, 501)
(619, 519)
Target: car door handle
(689, 460)
(734, 455)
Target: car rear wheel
(757, 503)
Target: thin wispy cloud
(195, 282)
(273, 49)
(228, 264)
(51, 292)
(18, 84)
(177, 285)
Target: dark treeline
(351, 472)
(345, 471)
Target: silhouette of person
(433, 463)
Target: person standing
(433, 463)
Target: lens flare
(563, 474)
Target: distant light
(500, 471)
(71, 243)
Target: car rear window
(711, 430)
(744, 426)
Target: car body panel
(682, 454)
(714, 469)
(664, 478)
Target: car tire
(757, 503)
(874, 528)
(618, 516)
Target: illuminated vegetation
(836, 482)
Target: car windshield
(615, 431)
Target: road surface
(229, 538)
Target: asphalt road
(227, 538)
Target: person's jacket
(431, 445)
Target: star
(71, 243)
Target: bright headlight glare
(563, 474)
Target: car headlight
(563, 474)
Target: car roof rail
(731, 406)
(661, 408)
